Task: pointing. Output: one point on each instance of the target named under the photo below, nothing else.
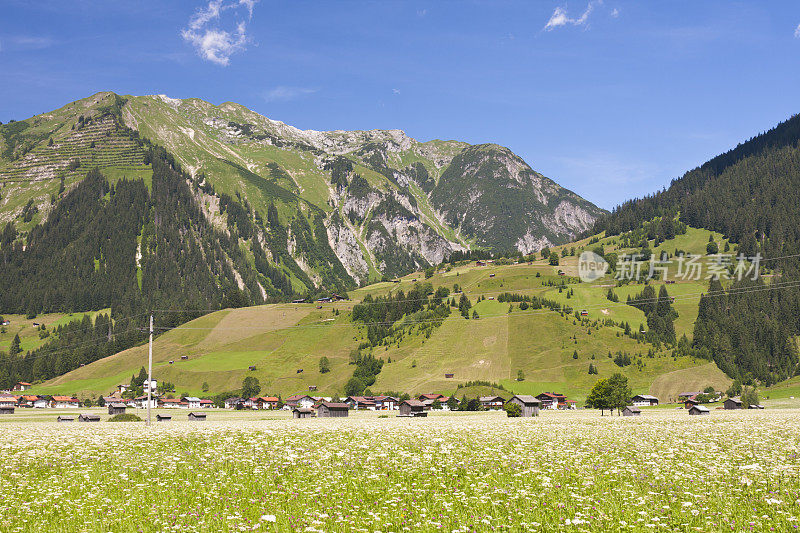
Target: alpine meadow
(564, 297)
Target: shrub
(513, 410)
(127, 417)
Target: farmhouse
(361, 402)
(140, 402)
(302, 412)
(644, 400)
(699, 410)
(431, 397)
(8, 401)
(21, 386)
(552, 400)
(206, 403)
(234, 403)
(169, 403)
(192, 402)
(492, 402)
(300, 400)
(332, 410)
(412, 408)
(386, 403)
(64, 402)
(197, 417)
(733, 403)
(88, 418)
(527, 403)
(116, 408)
(65, 418)
(631, 411)
(687, 395)
(690, 402)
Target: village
(308, 406)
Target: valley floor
(574, 471)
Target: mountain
(750, 194)
(355, 205)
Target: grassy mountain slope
(279, 339)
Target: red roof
(64, 399)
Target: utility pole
(150, 371)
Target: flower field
(730, 471)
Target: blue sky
(611, 99)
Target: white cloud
(797, 32)
(283, 93)
(560, 18)
(210, 40)
(395, 91)
(615, 13)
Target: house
(448, 376)
(631, 411)
(690, 402)
(192, 402)
(140, 402)
(492, 402)
(21, 386)
(39, 402)
(431, 397)
(584, 312)
(26, 401)
(65, 418)
(121, 389)
(312, 387)
(527, 403)
(361, 402)
(302, 412)
(687, 395)
(733, 403)
(84, 417)
(300, 400)
(197, 417)
(8, 401)
(551, 400)
(169, 403)
(163, 418)
(412, 408)
(386, 403)
(151, 385)
(206, 404)
(252, 368)
(6, 410)
(479, 263)
(332, 410)
(644, 400)
(234, 403)
(64, 402)
(116, 408)
(184, 358)
(699, 410)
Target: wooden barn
(197, 417)
(527, 403)
(631, 410)
(65, 418)
(733, 403)
(412, 408)
(643, 400)
(116, 408)
(332, 410)
(88, 418)
(302, 412)
(6, 410)
(163, 418)
(699, 410)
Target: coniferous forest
(751, 194)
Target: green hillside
(280, 339)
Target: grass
(454, 472)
